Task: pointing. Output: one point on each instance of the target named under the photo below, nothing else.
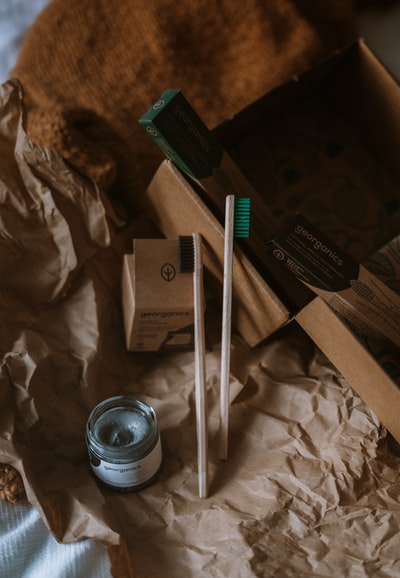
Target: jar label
(129, 474)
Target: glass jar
(123, 442)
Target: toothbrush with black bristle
(190, 261)
(237, 225)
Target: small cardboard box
(157, 299)
(326, 144)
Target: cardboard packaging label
(348, 287)
(157, 298)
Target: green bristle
(186, 254)
(242, 218)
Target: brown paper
(308, 488)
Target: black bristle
(186, 254)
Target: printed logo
(151, 130)
(318, 244)
(159, 104)
(278, 254)
(168, 272)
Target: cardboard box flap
(367, 96)
(353, 361)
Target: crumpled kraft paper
(309, 488)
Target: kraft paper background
(310, 487)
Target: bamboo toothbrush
(190, 261)
(237, 225)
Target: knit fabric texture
(89, 73)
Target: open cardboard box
(326, 144)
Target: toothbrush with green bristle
(190, 261)
(237, 225)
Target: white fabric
(28, 550)
(15, 17)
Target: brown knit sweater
(90, 69)
(91, 72)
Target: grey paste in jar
(123, 442)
